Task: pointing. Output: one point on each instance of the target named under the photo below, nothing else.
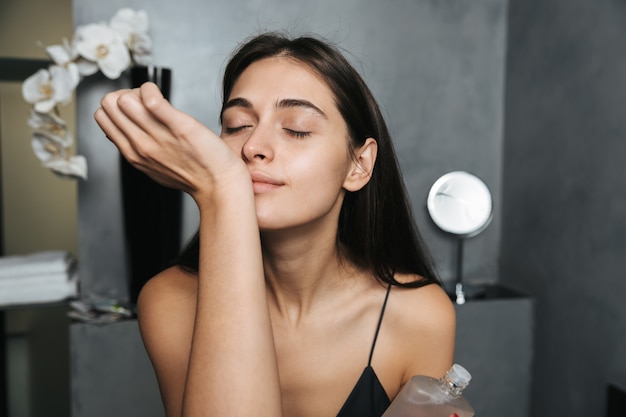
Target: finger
(115, 135)
(134, 109)
(128, 128)
(119, 139)
(175, 120)
(123, 133)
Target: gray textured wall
(564, 228)
(437, 69)
(124, 384)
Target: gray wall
(564, 226)
(437, 69)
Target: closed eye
(235, 129)
(296, 133)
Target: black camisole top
(368, 397)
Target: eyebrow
(282, 104)
(294, 102)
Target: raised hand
(170, 146)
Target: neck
(303, 272)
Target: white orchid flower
(47, 88)
(52, 127)
(73, 167)
(94, 47)
(141, 49)
(133, 26)
(46, 148)
(130, 21)
(64, 56)
(104, 47)
(56, 157)
(85, 67)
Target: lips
(262, 182)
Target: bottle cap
(459, 376)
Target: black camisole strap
(368, 397)
(380, 321)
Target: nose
(258, 146)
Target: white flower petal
(45, 149)
(70, 47)
(63, 139)
(63, 55)
(142, 23)
(75, 167)
(93, 40)
(116, 61)
(39, 120)
(46, 88)
(62, 84)
(140, 44)
(59, 54)
(50, 127)
(30, 87)
(45, 106)
(129, 21)
(133, 26)
(86, 68)
(74, 73)
(142, 59)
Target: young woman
(306, 291)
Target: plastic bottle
(424, 396)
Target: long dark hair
(376, 227)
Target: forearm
(232, 366)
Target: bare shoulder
(166, 307)
(429, 304)
(165, 310)
(168, 294)
(421, 326)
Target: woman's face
(283, 121)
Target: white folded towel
(41, 277)
(40, 293)
(39, 263)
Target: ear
(362, 166)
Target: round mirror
(460, 203)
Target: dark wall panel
(564, 225)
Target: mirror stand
(458, 288)
(460, 204)
(463, 292)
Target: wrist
(229, 190)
